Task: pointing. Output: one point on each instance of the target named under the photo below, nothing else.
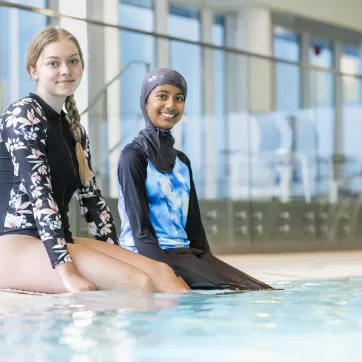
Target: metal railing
(103, 94)
(103, 91)
(56, 14)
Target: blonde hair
(36, 47)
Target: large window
(134, 47)
(322, 95)
(351, 65)
(220, 106)
(287, 47)
(321, 55)
(17, 29)
(187, 59)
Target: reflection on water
(308, 321)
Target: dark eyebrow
(167, 92)
(53, 57)
(163, 91)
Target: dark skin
(165, 107)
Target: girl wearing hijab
(158, 204)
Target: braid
(73, 114)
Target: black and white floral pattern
(23, 130)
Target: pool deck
(298, 266)
(286, 267)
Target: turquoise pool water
(308, 321)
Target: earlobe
(33, 73)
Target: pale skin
(96, 265)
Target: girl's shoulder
(26, 104)
(182, 157)
(133, 154)
(27, 108)
(26, 111)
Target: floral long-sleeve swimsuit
(39, 174)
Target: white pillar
(209, 124)
(249, 84)
(250, 30)
(255, 26)
(14, 86)
(338, 101)
(161, 27)
(79, 30)
(112, 66)
(53, 4)
(161, 12)
(97, 116)
(306, 73)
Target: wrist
(66, 269)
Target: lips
(66, 81)
(168, 115)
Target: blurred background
(273, 121)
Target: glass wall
(187, 59)
(351, 147)
(287, 77)
(220, 106)
(295, 151)
(134, 47)
(17, 28)
(322, 117)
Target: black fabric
(132, 174)
(41, 148)
(157, 143)
(202, 270)
(194, 227)
(158, 146)
(63, 164)
(62, 159)
(6, 182)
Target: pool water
(307, 321)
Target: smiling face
(58, 70)
(165, 106)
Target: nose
(65, 69)
(170, 104)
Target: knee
(144, 283)
(164, 269)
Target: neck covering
(155, 142)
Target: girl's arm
(132, 173)
(93, 206)
(194, 227)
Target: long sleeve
(24, 135)
(132, 173)
(194, 227)
(93, 206)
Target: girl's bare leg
(24, 265)
(162, 275)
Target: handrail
(118, 75)
(57, 14)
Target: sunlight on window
(349, 66)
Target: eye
(53, 63)
(162, 96)
(180, 98)
(74, 61)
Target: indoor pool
(307, 321)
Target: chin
(166, 125)
(65, 93)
